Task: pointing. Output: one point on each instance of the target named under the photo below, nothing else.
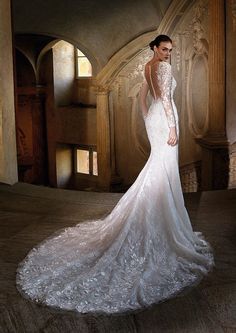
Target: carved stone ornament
(191, 36)
(136, 75)
(131, 78)
(102, 90)
(177, 50)
(198, 31)
(136, 68)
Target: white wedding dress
(143, 252)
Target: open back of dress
(159, 78)
(151, 71)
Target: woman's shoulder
(158, 63)
(164, 68)
(148, 64)
(152, 64)
(160, 66)
(165, 64)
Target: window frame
(90, 149)
(77, 65)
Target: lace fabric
(145, 251)
(159, 78)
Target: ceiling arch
(98, 28)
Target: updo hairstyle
(161, 38)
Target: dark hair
(157, 41)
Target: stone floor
(30, 213)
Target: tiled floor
(29, 213)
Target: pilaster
(103, 139)
(214, 144)
(8, 161)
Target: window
(82, 161)
(84, 68)
(86, 160)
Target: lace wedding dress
(143, 252)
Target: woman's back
(151, 75)
(159, 78)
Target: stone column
(103, 139)
(231, 70)
(8, 158)
(230, 87)
(215, 144)
(217, 68)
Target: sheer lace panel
(159, 78)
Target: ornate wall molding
(177, 44)
(200, 11)
(102, 90)
(191, 63)
(197, 94)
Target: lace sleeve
(165, 79)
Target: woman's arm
(143, 96)
(165, 78)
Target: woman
(145, 250)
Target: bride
(145, 250)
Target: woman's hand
(173, 139)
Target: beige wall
(85, 91)
(76, 125)
(64, 165)
(63, 72)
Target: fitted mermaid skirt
(143, 252)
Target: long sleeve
(165, 79)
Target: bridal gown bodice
(143, 252)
